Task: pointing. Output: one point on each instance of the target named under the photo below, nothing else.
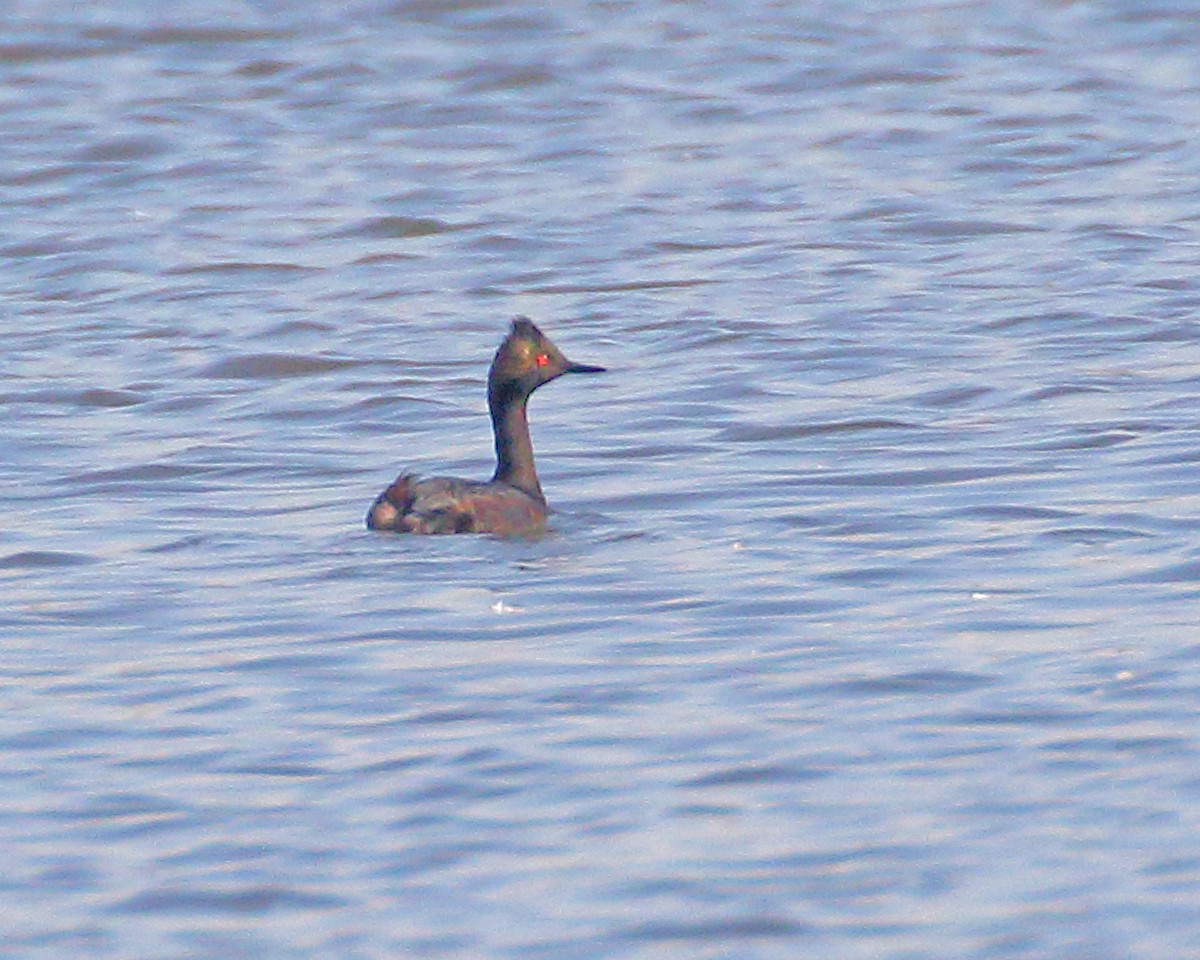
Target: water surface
(866, 628)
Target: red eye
(542, 359)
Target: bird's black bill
(584, 368)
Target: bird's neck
(514, 449)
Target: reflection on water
(866, 623)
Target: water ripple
(272, 366)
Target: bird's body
(511, 503)
(452, 505)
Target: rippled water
(868, 624)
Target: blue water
(867, 625)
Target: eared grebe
(511, 503)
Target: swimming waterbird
(511, 504)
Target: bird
(511, 504)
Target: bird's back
(451, 505)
